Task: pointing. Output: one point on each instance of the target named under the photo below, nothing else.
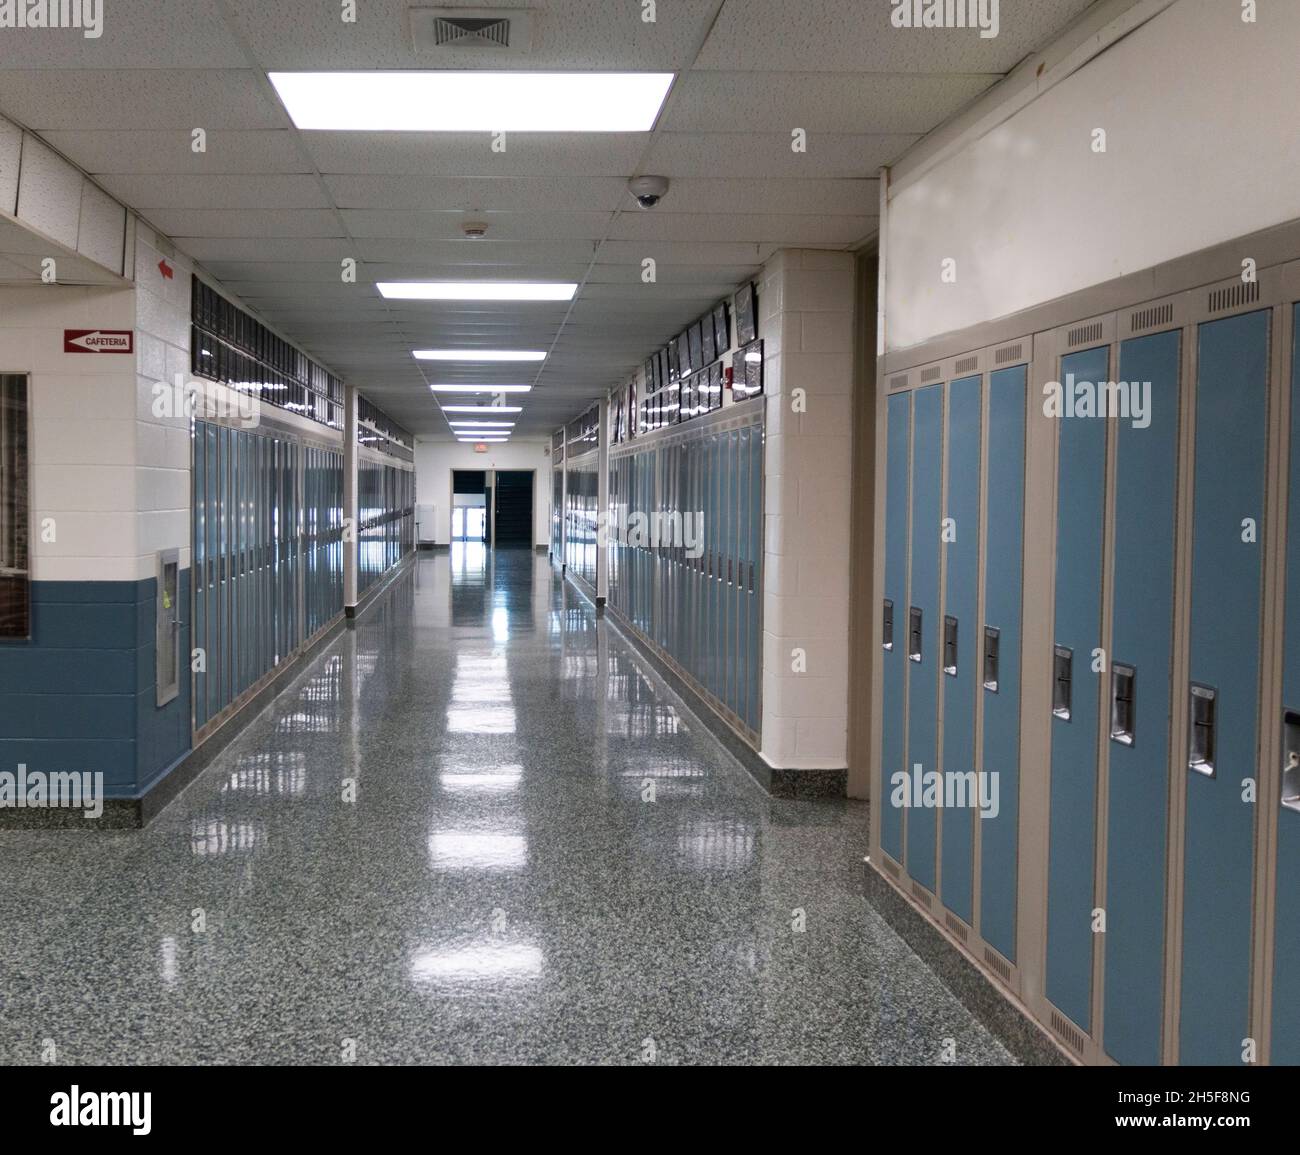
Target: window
(15, 601)
(1123, 704)
(1062, 682)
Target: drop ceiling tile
(780, 230)
(195, 191)
(247, 223)
(830, 156)
(560, 226)
(156, 151)
(477, 194)
(145, 99)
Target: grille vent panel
(1234, 296)
(1084, 334)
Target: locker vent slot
(957, 927)
(1068, 1033)
(968, 364)
(921, 895)
(1149, 318)
(899, 381)
(1009, 353)
(931, 374)
(891, 867)
(1204, 717)
(1291, 759)
(998, 965)
(914, 634)
(1234, 296)
(1062, 682)
(1085, 334)
(887, 626)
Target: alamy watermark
(981, 14)
(37, 789)
(661, 529)
(946, 790)
(206, 400)
(1127, 400)
(87, 15)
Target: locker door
(1286, 946)
(923, 674)
(212, 594)
(1080, 508)
(757, 524)
(898, 478)
(1146, 479)
(198, 571)
(959, 625)
(715, 552)
(1228, 486)
(743, 557)
(1000, 678)
(730, 476)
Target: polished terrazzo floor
(500, 889)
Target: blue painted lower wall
(80, 694)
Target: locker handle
(950, 645)
(887, 626)
(1291, 759)
(1203, 720)
(1123, 704)
(914, 624)
(992, 648)
(1062, 682)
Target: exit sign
(480, 447)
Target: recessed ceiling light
(473, 101)
(458, 425)
(476, 291)
(484, 409)
(481, 388)
(478, 355)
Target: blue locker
(893, 720)
(1286, 943)
(923, 674)
(960, 625)
(757, 525)
(1224, 645)
(1141, 641)
(1003, 575)
(1081, 494)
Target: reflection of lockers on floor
(1145, 650)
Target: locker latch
(887, 626)
(1204, 712)
(950, 645)
(1123, 703)
(992, 642)
(1062, 682)
(914, 634)
(1291, 759)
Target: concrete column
(806, 312)
(350, 515)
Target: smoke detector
(474, 230)
(460, 29)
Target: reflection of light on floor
(490, 961)
(469, 556)
(481, 720)
(501, 625)
(168, 971)
(721, 845)
(500, 782)
(466, 850)
(269, 775)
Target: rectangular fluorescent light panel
(476, 290)
(481, 388)
(484, 409)
(472, 101)
(458, 425)
(478, 355)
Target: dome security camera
(648, 190)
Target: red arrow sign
(166, 269)
(98, 341)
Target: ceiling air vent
(498, 29)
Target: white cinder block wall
(83, 438)
(162, 474)
(435, 460)
(806, 322)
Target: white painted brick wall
(806, 321)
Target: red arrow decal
(166, 270)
